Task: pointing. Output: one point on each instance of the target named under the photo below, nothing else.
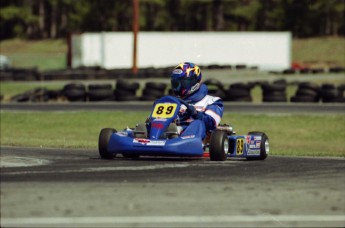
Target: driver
(200, 112)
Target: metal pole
(135, 34)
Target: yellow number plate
(164, 111)
(239, 147)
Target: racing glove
(192, 111)
(198, 116)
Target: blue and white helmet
(185, 79)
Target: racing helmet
(185, 79)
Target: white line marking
(171, 219)
(103, 169)
(123, 168)
(11, 161)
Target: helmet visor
(181, 86)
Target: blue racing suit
(203, 113)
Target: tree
(37, 19)
(218, 15)
(16, 19)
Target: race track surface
(43, 187)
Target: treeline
(36, 19)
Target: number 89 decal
(239, 146)
(164, 110)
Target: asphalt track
(42, 187)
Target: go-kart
(160, 136)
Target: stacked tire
(239, 92)
(215, 88)
(100, 92)
(126, 91)
(34, 95)
(153, 91)
(39, 95)
(54, 94)
(330, 93)
(274, 92)
(341, 89)
(307, 92)
(74, 92)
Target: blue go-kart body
(159, 137)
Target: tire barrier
(307, 92)
(87, 73)
(74, 92)
(102, 92)
(239, 92)
(341, 89)
(236, 92)
(126, 91)
(20, 74)
(34, 95)
(330, 94)
(215, 88)
(153, 91)
(335, 70)
(54, 94)
(311, 92)
(275, 92)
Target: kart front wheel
(219, 146)
(264, 146)
(103, 142)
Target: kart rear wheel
(103, 142)
(264, 146)
(219, 146)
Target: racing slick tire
(103, 142)
(219, 146)
(264, 146)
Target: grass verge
(10, 89)
(297, 135)
(44, 54)
(319, 49)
